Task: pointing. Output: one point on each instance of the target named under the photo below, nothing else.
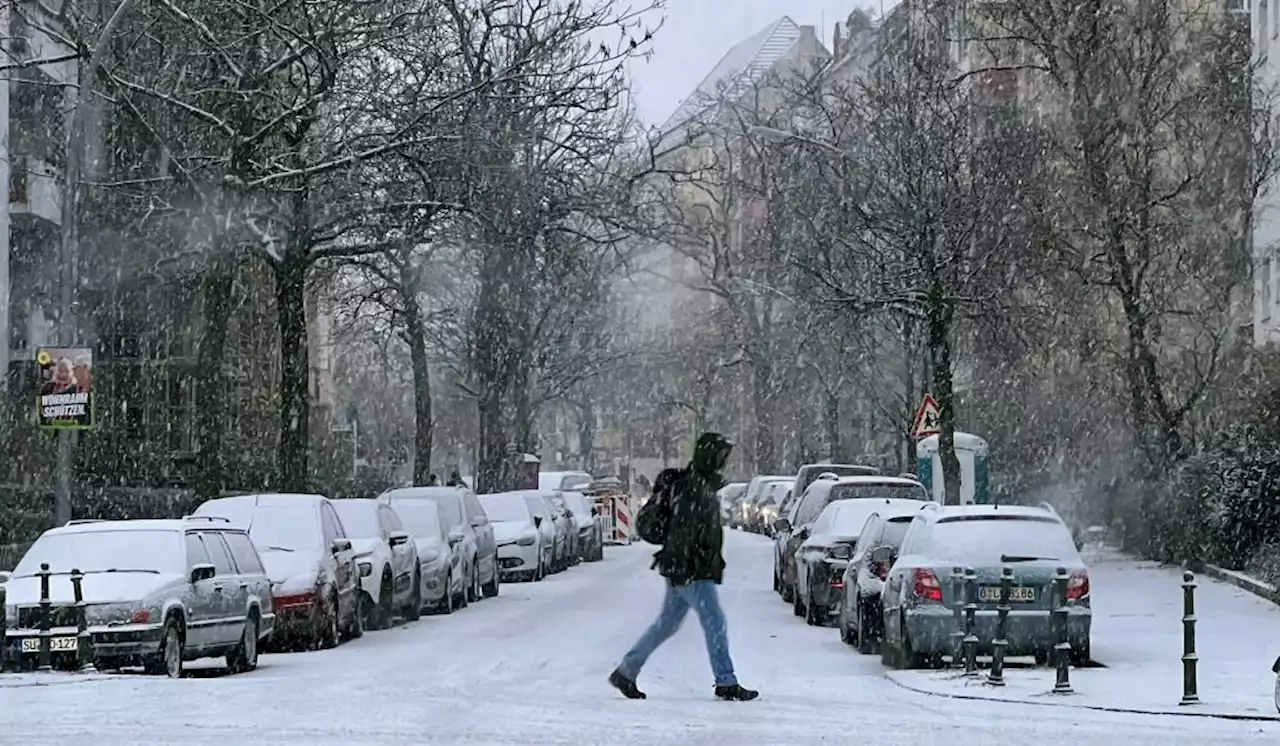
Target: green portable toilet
(974, 473)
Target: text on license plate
(1018, 593)
(56, 644)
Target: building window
(1264, 291)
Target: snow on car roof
(867, 479)
(418, 493)
(954, 512)
(146, 524)
(267, 498)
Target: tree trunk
(940, 314)
(526, 430)
(586, 438)
(295, 370)
(423, 424)
(909, 356)
(493, 466)
(762, 402)
(831, 418)
(211, 393)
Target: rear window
(982, 539)
(846, 517)
(886, 491)
(895, 530)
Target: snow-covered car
(541, 510)
(567, 481)
(822, 557)
(769, 505)
(158, 593)
(466, 517)
(791, 530)
(443, 585)
(566, 532)
(918, 596)
(729, 496)
(315, 584)
(387, 560)
(859, 611)
(590, 532)
(524, 551)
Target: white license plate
(56, 644)
(1017, 594)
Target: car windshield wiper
(126, 569)
(277, 549)
(1025, 558)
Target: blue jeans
(703, 598)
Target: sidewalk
(1137, 637)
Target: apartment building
(1264, 23)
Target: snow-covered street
(529, 668)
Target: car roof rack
(1045, 504)
(82, 521)
(206, 518)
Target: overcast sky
(697, 33)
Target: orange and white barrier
(622, 515)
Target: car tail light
(837, 583)
(294, 599)
(927, 587)
(1078, 586)
(141, 616)
(881, 570)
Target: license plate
(1017, 594)
(56, 644)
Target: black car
(858, 609)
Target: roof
(993, 511)
(740, 68)
(266, 498)
(146, 524)
(868, 479)
(421, 493)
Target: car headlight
(10, 615)
(527, 540)
(366, 569)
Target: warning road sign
(926, 422)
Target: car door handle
(217, 589)
(243, 586)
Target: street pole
(69, 254)
(6, 172)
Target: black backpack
(654, 519)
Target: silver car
(444, 586)
(467, 519)
(158, 593)
(918, 598)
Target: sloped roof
(743, 66)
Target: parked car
(590, 529)
(859, 611)
(158, 593)
(443, 584)
(791, 531)
(547, 527)
(806, 475)
(918, 621)
(748, 520)
(822, 557)
(466, 516)
(524, 551)
(566, 532)
(315, 584)
(387, 560)
(564, 481)
(729, 496)
(767, 511)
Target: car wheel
(386, 604)
(815, 615)
(446, 601)
(494, 586)
(463, 599)
(866, 637)
(245, 657)
(842, 621)
(169, 659)
(330, 632)
(1080, 658)
(908, 658)
(413, 610)
(797, 605)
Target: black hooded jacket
(695, 538)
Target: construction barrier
(620, 516)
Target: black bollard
(1001, 642)
(84, 641)
(970, 619)
(1190, 695)
(1062, 650)
(45, 660)
(957, 632)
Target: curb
(1096, 708)
(1245, 583)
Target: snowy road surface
(529, 668)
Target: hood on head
(711, 453)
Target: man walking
(690, 560)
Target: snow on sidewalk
(1137, 636)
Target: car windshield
(981, 540)
(576, 503)
(575, 482)
(448, 497)
(104, 551)
(359, 518)
(420, 517)
(537, 506)
(505, 507)
(288, 527)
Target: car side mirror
(882, 555)
(568, 514)
(398, 537)
(782, 525)
(478, 521)
(4, 576)
(341, 545)
(537, 521)
(455, 538)
(801, 533)
(595, 511)
(202, 571)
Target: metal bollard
(45, 661)
(957, 631)
(1190, 695)
(970, 618)
(1001, 642)
(84, 641)
(1062, 650)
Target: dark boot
(735, 693)
(620, 681)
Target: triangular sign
(926, 422)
